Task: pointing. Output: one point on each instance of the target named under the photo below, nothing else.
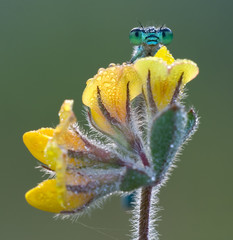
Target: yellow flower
(87, 168)
(50, 147)
(167, 78)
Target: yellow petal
(165, 55)
(187, 67)
(45, 197)
(63, 136)
(67, 118)
(63, 139)
(36, 142)
(112, 83)
(180, 68)
(102, 122)
(57, 147)
(164, 78)
(158, 75)
(55, 154)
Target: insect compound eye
(165, 35)
(135, 36)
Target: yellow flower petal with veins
(112, 83)
(45, 197)
(158, 75)
(164, 78)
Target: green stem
(145, 213)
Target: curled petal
(36, 142)
(187, 67)
(62, 135)
(46, 197)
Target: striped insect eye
(135, 36)
(165, 35)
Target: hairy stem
(145, 213)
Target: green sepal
(134, 179)
(166, 137)
(191, 125)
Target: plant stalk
(144, 218)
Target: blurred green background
(48, 49)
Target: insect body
(148, 40)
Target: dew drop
(107, 85)
(100, 70)
(112, 65)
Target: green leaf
(133, 180)
(191, 125)
(167, 134)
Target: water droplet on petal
(107, 85)
(112, 65)
(100, 70)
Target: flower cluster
(137, 126)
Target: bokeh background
(49, 48)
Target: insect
(148, 40)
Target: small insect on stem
(148, 40)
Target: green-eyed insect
(148, 40)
